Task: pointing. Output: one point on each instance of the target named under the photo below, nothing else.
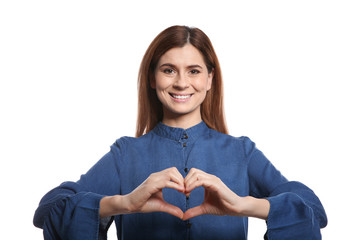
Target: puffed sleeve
(295, 210)
(71, 210)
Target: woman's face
(181, 82)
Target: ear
(210, 78)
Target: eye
(194, 71)
(168, 71)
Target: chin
(182, 112)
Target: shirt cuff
(290, 218)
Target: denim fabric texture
(71, 211)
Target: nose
(181, 82)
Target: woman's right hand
(147, 197)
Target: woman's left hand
(220, 200)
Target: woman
(183, 177)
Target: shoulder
(123, 143)
(240, 139)
(242, 142)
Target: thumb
(193, 212)
(171, 209)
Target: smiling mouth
(180, 97)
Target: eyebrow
(173, 66)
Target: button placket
(184, 141)
(188, 224)
(184, 138)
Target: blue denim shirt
(71, 211)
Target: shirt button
(184, 144)
(186, 136)
(187, 197)
(186, 170)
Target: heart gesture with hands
(218, 200)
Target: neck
(181, 121)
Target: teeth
(181, 96)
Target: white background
(68, 72)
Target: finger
(208, 181)
(192, 172)
(196, 180)
(193, 212)
(193, 184)
(176, 171)
(160, 180)
(171, 209)
(171, 174)
(192, 176)
(174, 185)
(175, 176)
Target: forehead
(187, 55)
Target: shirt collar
(177, 134)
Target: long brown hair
(150, 111)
